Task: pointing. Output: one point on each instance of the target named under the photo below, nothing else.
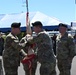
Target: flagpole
(28, 27)
(27, 13)
(27, 5)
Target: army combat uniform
(11, 57)
(1, 66)
(1, 51)
(65, 53)
(45, 54)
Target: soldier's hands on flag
(29, 37)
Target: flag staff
(28, 30)
(28, 27)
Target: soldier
(65, 50)
(45, 54)
(12, 49)
(1, 44)
(1, 50)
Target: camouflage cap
(63, 25)
(15, 25)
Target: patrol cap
(63, 25)
(15, 25)
(37, 23)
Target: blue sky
(64, 10)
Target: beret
(37, 23)
(15, 25)
(63, 25)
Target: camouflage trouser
(48, 69)
(11, 71)
(1, 69)
(32, 70)
(10, 67)
(64, 66)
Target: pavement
(73, 69)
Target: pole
(28, 27)
(27, 5)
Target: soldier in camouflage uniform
(65, 50)
(11, 57)
(1, 50)
(1, 66)
(45, 54)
